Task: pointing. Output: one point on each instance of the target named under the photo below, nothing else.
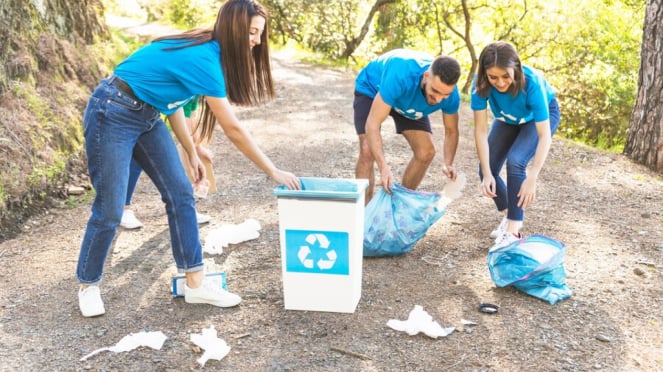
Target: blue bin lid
(325, 188)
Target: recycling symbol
(317, 253)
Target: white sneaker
(500, 229)
(210, 293)
(202, 218)
(89, 301)
(505, 239)
(129, 220)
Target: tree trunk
(465, 36)
(352, 45)
(644, 143)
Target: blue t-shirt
(167, 79)
(397, 76)
(528, 105)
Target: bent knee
(516, 166)
(425, 155)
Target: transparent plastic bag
(394, 223)
(534, 265)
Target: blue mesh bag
(534, 265)
(394, 223)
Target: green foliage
(120, 46)
(320, 26)
(74, 201)
(334, 25)
(48, 165)
(588, 51)
(288, 20)
(123, 8)
(48, 174)
(594, 67)
(189, 14)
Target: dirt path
(606, 210)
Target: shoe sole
(131, 227)
(93, 315)
(201, 301)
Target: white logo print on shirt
(176, 104)
(411, 113)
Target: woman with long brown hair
(526, 115)
(227, 64)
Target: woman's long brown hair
(247, 70)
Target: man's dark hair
(447, 69)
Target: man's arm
(379, 112)
(451, 138)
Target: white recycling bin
(321, 229)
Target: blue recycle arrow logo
(321, 252)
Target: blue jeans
(118, 128)
(134, 173)
(515, 145)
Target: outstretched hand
(287, 179)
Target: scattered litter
(603, 338)
(219, 238)
(489, 308)
(435, 260)
(215, 348)
(468, 322)
(201, 189)
(452, 190)
(132, 341)
(420, 321)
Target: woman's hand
(287, 179)
(197, 168)
(527, 193)
(488, 186)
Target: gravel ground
(604, 208)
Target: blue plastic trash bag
(394, 223)
(534, 265)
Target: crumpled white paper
(219, 238)
(420, 321)
(132, 341)
(452, 190)
(215, 348)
